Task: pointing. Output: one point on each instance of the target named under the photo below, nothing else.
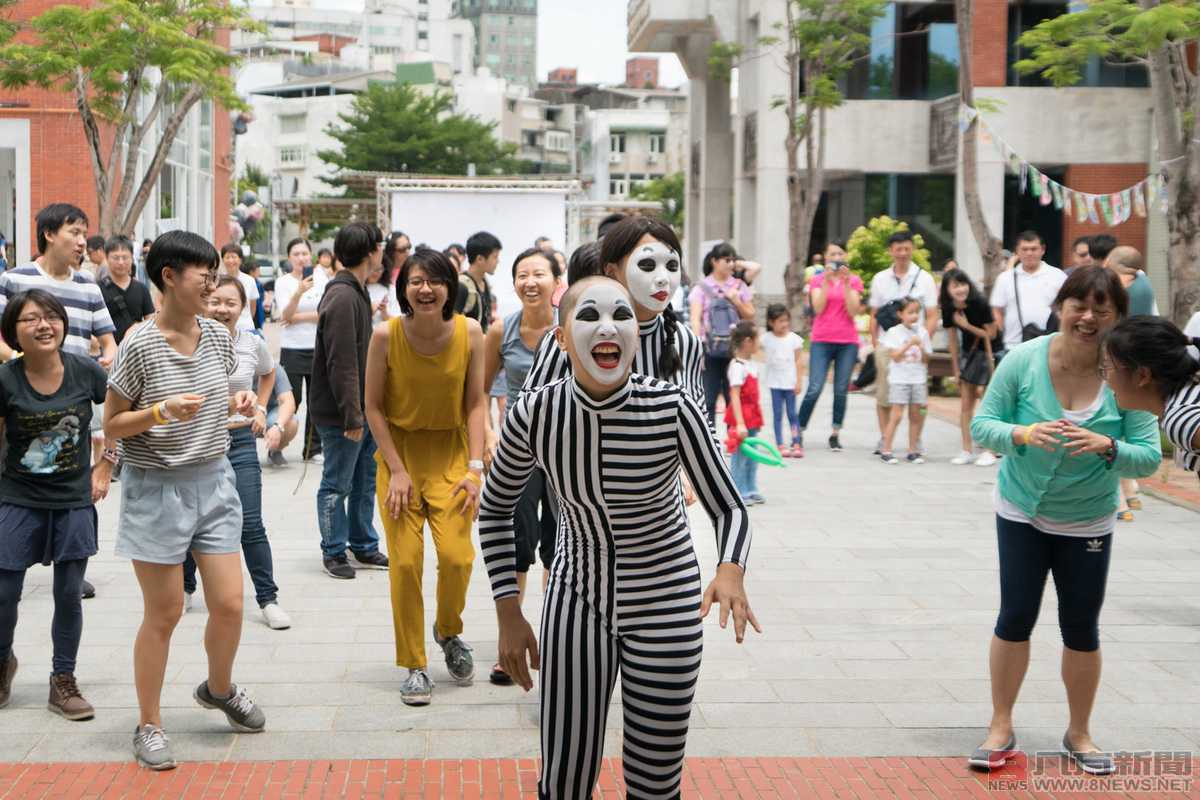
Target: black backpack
(888, 314)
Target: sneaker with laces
(835, 444)
(964, 457)
(888, 458)
(417, 689)
(65, 699)
(88, 591)
(986, 459)
(339, 567)
(375, 560)
(151, 748)
(459, 661)
(914, 458)
(8, 671)
(238, 708)
(275, 458)
(276, 618)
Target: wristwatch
(1110, 455)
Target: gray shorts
(167, 512)
(908, 394)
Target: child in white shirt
(909, 348)
(782, 350)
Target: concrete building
(893, 146)
(563, 76)
(546, 133)
(506, 37)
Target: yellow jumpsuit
(424, 404)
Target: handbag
(1032, 330)
(976, 364)
(888, 314)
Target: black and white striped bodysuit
(624, 591)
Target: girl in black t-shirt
(971, 330)
(48, 489)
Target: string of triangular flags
(1113, 208)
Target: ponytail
(1156, 344)
(669, 361)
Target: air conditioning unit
(615, 158)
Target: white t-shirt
(911, 368)
(1037, 291)
(246, 320)
(780, 352)
(886, 286)
(738, 370)
(300, 335)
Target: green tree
(819, 41)
(867, 250)
(394, 127)
(115, 57)
(667, 190)
(1163, 35)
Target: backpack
(888, 314)
(467, 284)
(722, 317)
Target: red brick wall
(989, 46)
(1103, 179)
(636, 69)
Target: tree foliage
(135, 69)
(867, 250)
(667, 190)
(394, 127)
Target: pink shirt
(834, 325)
(698, 295)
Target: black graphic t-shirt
(49, 449)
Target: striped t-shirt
(148, 370)
(1180, 421)
(86, 311)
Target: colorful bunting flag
(1126, 205)
(1106, 209)
(1058, 190)
(1081, 208)
(1139, 199)
(1118, 208)
(1093, 216)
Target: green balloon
(762, 451)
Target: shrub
(868, 247)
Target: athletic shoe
(1091, 763)
(238, 708)
(914, 458)
(986, 759)
(835, 444)
(986, 459)
(1134, 503)
(276, 618)
(750, 500)
(339, 567)
(275, 458)
(375, 560)
(1125, 516)
(7, 671)
(878, 448)
(66, 700)
(151, 748)
(964, 457)
(459, 660)
(417, 689)
(888, 458)
(87, 591)
(316, 459)
(189, 600)
(757, 498)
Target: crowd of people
(604, 431)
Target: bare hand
(101, 478)
(106, 361)
(689, 494)
(259, 425)
(274, 437)
(1043, 435)
(354, 434)
(469, 486)
(491, 441)
(517, 647)
(728, 591)
(399, 496)
(305, 284)
(960, 319)
(245, 403)
(742, 432)
(184, 406)
(1081, 440)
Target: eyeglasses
(34, 320)
(434, 283)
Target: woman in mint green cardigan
(1066, 445)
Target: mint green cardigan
(1057, 485)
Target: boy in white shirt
(909, 347)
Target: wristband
(475, 465)
(159, 417)
(1029, 433)
(110, 455)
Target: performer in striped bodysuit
(624, 594)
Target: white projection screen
(438, 217)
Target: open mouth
(1084, 330)
(660, 296)
(45, 338)
(607, 355)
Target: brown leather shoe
(66, 700)
(7, 670)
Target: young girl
(48, 486)
(624, 596)
(743, 415)
(783, 349)
(909, 348)
(965, 308)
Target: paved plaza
(876, 585)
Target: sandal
(1135, 503)
(499, 676)
(1125, 516)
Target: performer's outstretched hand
(728, 591)
(518, 649)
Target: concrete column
(709, 209)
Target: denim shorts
(167, 512)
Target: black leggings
(1080, 567)
(67, 625)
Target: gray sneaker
(417, 690)
(459, 660)
(238, 708)
(151, 748)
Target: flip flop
(500, 677)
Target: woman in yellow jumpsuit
(426, 404)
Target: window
(558, 141)
(292, 123)
(618, 186)
(291, 155)
(913, 55)
(1024, 15)
(510, 21)
(658, 143)
(512, 105)
(493, 39)
(616, 143)
(422, 36)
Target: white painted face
(604, 332)
(652, 275)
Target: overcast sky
(587, 34)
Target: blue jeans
(716, 383)
(256, 549)
(346, 497)
(820, 356)
(783, 401)
(744, 470)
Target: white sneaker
(277, 619)
(962, 458)
(986, 459)
(189, 599)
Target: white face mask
(652, 274)
(604, 331)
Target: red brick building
(564, 76)
(44, 158)
(641, 73)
